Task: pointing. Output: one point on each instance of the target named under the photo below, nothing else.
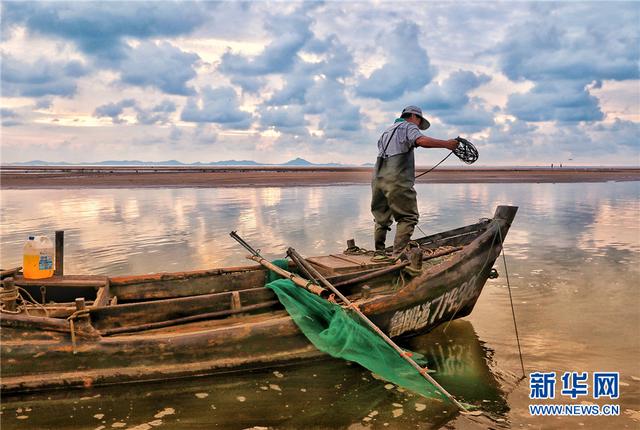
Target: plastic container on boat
(37, 258)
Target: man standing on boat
(393, 195)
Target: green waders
(393, 197)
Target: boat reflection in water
(326, 393)
(464, 365)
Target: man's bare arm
(430, 142)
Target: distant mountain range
(294, 162)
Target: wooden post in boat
(59, 270)
(366, 292)
(9, 294)
(375, 328)
(416, 259)
(82, 317)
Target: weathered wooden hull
(199, 323)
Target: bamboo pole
(387, 339)
(299, 281)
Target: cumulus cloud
(42, 77)
(337, 60)
(290, 33)
(158, 114)
(573, 42)
(296, 85)
(407, 66)
(216, 105)
(453, 93)
(619, 133)
(289, 119)
(564, 49)
(9, 117)
(558, 100)
(159, 65)
(100, 28)
(44, 103)
(336, 63)
(451, 103)
(114, 110)
(550, 82)
(339, 118)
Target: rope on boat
(16, 294)
(513, 312)
(72, 327)
(8, 296)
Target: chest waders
(393, 197)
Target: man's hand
(452, 144)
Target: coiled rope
(466, 151)
(18, 295)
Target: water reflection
(325, 394)
(573, 253)
(149, 230)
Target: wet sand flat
(13, 177)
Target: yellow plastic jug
(37, 258)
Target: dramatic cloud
(9, 117)
(290, 32)
(114, 110)
(161, 65)
(560, 100)
(527, 81)
(219, 105)
(40, 78)
(565, 49)
(407, 66)
(158, 114)
(339, 118)
(288, 119)
(569, 42)
(296, 85)
(451, 103)
(99, 28)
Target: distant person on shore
(393, 195)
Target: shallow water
(572, 256)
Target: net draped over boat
(333, 330)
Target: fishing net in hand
(466, 151)
(341, 334)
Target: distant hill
(295, 162)
(298, 162)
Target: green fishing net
(342, 334)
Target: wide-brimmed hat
(424, 124)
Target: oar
(403, 354)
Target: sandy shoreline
(13, 177)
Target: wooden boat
(173, 325)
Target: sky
(529, 83)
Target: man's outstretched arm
(430, 142)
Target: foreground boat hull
(122, 343)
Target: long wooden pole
(403, 353)
(299, 281)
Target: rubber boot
(380, 237)
(403, 235)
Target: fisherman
(393, 195)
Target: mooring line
(493, 240)
(513, 312)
